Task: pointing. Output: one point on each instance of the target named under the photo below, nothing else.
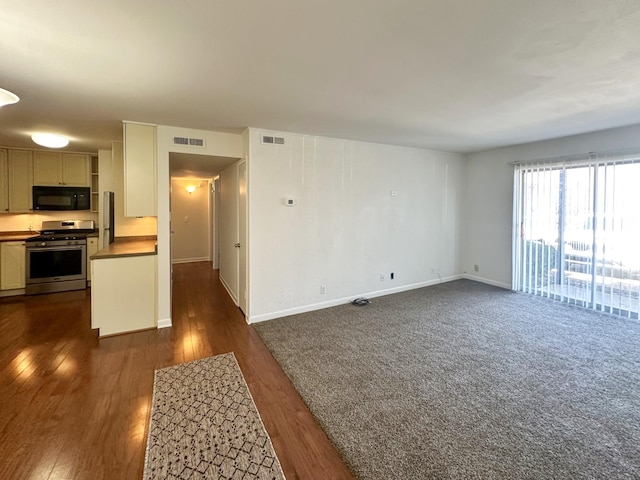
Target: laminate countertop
(131, 247)
(16, 236)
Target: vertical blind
(577, 231)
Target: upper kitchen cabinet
(4, 181)
(54, 168)
(20, 180)
(139, 170)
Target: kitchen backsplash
(24, 222)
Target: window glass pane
(579, 234)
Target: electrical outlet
(382, 277)
(476, 268)
(323, 289)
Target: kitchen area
(67, 223)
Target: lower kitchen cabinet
(12, 265)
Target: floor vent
(189, 142)
(271, 140)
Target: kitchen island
(123, 286)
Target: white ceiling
(461, 75)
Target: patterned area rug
(204, 424)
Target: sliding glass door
(577, 232)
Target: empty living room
(320, 240)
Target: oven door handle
(59, 247)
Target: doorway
(578, 231)
(204, 215)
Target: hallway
(73, 406)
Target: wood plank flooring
(73, 406)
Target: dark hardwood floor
(73, 406)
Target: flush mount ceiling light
(50, 140)
(7, 97)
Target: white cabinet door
(75, 169)
(4, 182)
(20, 177)
(12, 265)
(54, 168)
(139, 170)
(47, 168)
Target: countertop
(16, 236)
(128, 247)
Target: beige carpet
(205, 425)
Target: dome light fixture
(50, 140)
(7, 97)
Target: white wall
(215, 223)
(489, 199)
(346, 228)
(190, 220)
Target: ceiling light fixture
(7, 97)
(50, 140)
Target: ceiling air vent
(189, 142)
(271, 140)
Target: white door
(242, 236)
(228, 223)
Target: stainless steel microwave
(61, 198)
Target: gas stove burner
(58, 232)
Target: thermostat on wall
(289, 202)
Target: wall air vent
(271, 140)
(189, 142)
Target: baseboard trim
(164, 323)
(229, 291)
(341, 301)
(488, 281)
(11, 293)
(191, 260)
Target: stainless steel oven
(56, 260)
(56, 266)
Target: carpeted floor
(464, 380)
(204, 424)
